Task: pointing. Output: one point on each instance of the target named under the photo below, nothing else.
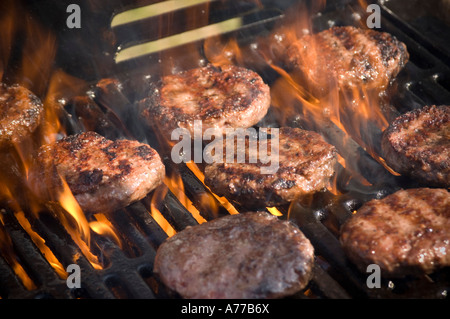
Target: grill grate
(127, 270)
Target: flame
(7, 248)
(158, 196)
(104, 227)
(222, 200)
(19, 30)
(40, 243)
(274, 211)
(35, 237)
(80, 232)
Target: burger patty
(103, 175)
(347, 57)
(250, 255)
(417, 144)
(20, 113)
(224, 97)
(306, 164)
(404, 233)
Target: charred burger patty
(250, 255)
(103, 175)
(229, 96)
(347, 57)
(306, 164)
(403, 233)
(417, 143)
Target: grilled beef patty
(20, 113)
(417, 144)
(306, 164)
(404, 233)
(103, 175)
(347, 57)
(224, 97)
(250, 255)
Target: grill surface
(127, 270)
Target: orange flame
(176, 186)
(40, 243)
(104, 227)
(222, 200)
(81, 232)
(7, 248)
(35, 237)
(158, 196)
(274, 211)
(357, 112)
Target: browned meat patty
(224, 97)
(20, 113)
(417, 144)
(306, 164)
(251, 255)
(404, 233)
(347, 57)
(103, 175)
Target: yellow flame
(176, 186)
(40, 243)
(274, 211)
(158, 195)
(6, 246)
(104, 227)
(222, 200)
(80, 235)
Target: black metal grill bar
(10, 285)
(68, 253)
(35, 265)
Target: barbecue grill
(116, 261)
